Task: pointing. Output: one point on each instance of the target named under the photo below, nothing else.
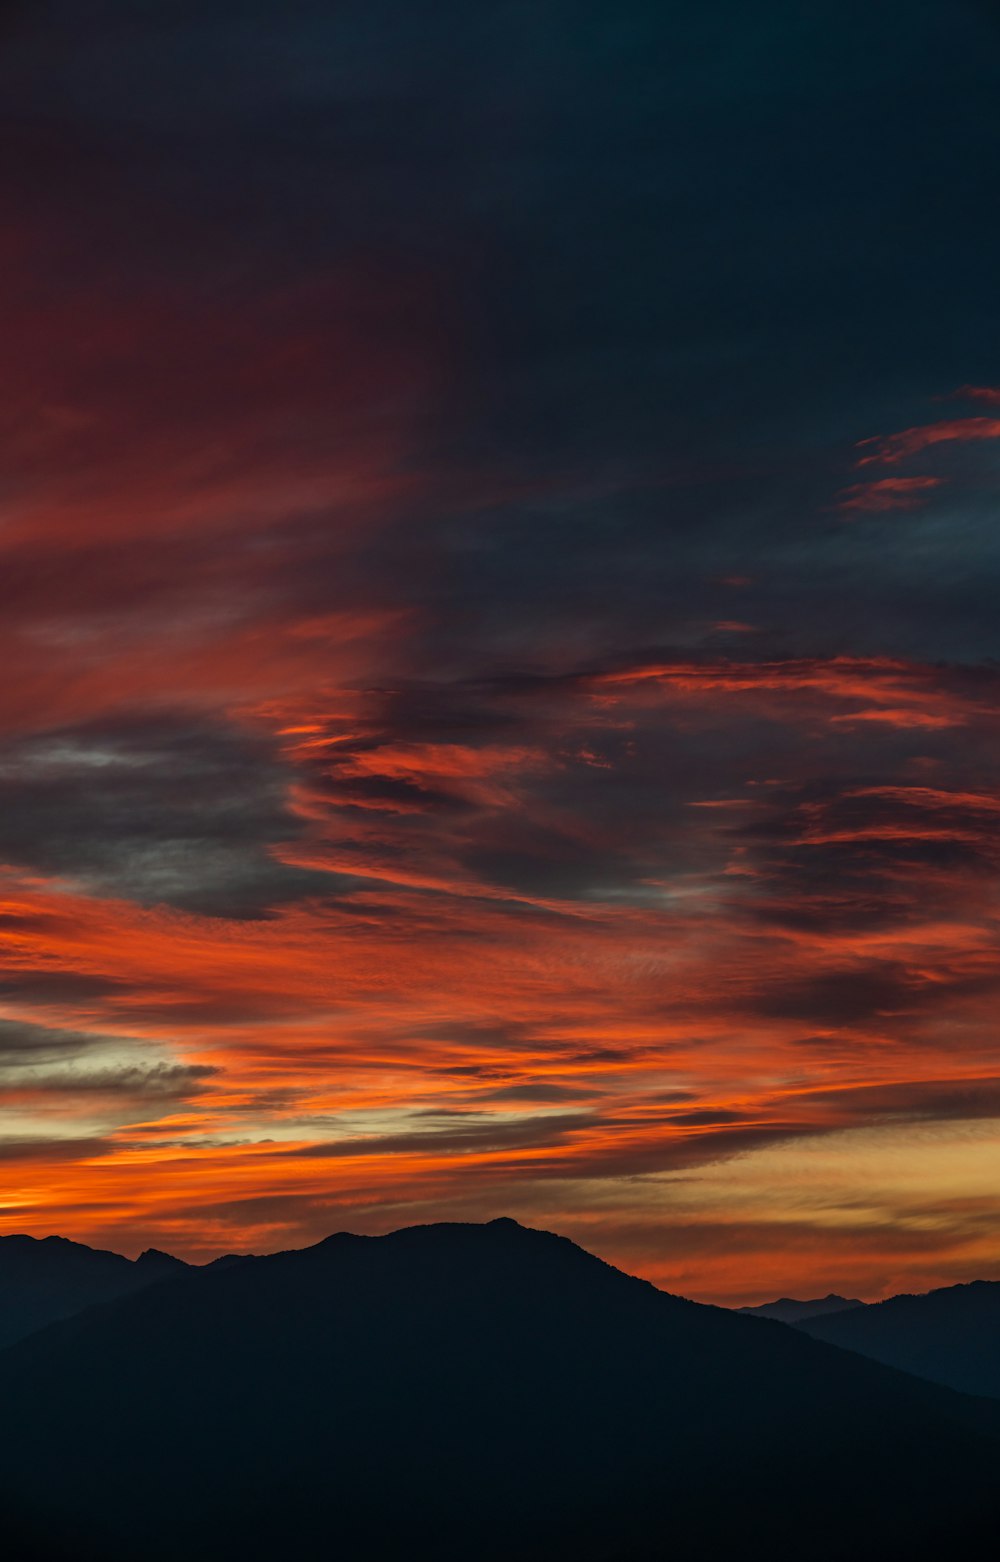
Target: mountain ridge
(788, 1309)
(950, 1335)
(46, 1279)
(460, 1389)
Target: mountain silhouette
(48, 1279)
(471, 1392)
(787, 1310)
(950, 1336)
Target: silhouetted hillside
(476, 1393)
(787, 1310)
(42, 1281)
(950, 1336)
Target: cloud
(425, 383)
(937, 1100)
(494, 1134)
(46, 984)
(101, 1080)
(537, 1090)
(890, 448)
(154, 809)
(987, 393)
(160, 1082)
(25, 1044)
(888, 493)
(48, 1150)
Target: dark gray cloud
(941, 1100)
(48, 1065)
(493, 1133)
(157, 1082)
(43, 984)
(159, 810)
(49, 1150)
(25, 1044)
(537, 1091)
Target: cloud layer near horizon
(498, 594)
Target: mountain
(456, 1392)
(787, 1310)
(950, 1336)
(48, 1279)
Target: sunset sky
(499, 579)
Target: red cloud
(888, 493)
(878, 689)
(988, 393)
(890, 448)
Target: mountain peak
(154, 1256)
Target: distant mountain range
(950, 1336)
(452, 1393)
(43, 1281)
(787, 1310)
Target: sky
(498, 580)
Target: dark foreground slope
(473, 1392)
(41, 1281)
(950, 1336)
